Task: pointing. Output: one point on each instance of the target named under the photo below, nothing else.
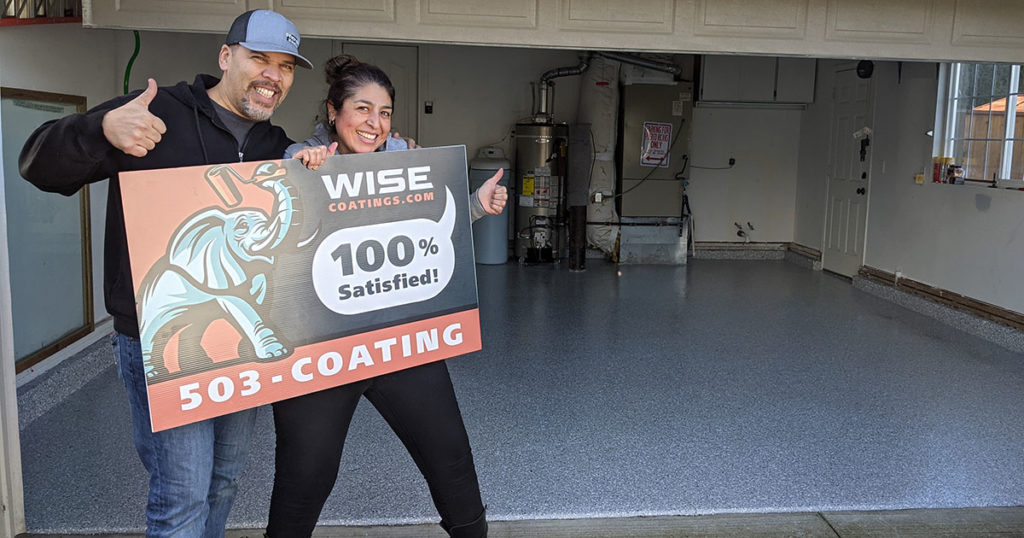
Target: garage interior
(690, 356)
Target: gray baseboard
(739, 251)
(997, 333)
(802, 261)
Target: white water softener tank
(490, 233)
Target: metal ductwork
(642, 62)
(543, 116)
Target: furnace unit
(655, 136)
(653, 149)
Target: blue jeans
(193, 469)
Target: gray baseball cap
(267, 31)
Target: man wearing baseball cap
(192, 469)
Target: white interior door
(401, 63)
(848, 174)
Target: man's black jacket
(63, 155)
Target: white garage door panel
(908, 21)
(198, 15)
(336, 10)
(643, 16)
(787, 18)
(496, 13)
(975, 25)
(967, 30)
(204, 7)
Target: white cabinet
(794, 80)
(757, 79)
(737, 78)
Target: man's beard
(256, 113)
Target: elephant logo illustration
(215, 268)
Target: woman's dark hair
(345, 74)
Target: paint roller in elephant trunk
(367, 268)
(223, 178)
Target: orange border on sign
(301, 373)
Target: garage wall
(760, 188)
(812, 182)
(479, 93)
(966, 239)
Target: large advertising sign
(261, 281)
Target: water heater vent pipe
(545, 84)
(544, 114)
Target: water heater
(540, 224)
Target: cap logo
(292, 38)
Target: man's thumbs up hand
(146, 97)
(131, 128)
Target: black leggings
(419, 405)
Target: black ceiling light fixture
(865, 68)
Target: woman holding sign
(418, 403)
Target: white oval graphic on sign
(367, 268)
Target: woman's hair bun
(335, 68)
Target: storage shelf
(15, 21)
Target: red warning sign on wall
(654, 148)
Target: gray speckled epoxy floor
(717, 387)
